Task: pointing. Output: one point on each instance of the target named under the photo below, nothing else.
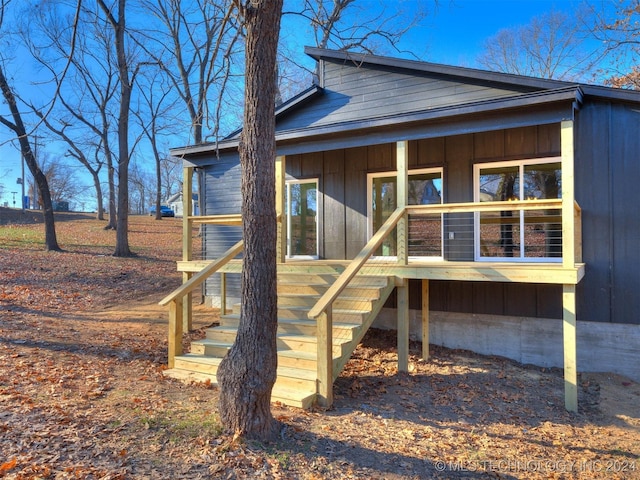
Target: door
(425, 230)
(301, 208)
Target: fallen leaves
(82, 393)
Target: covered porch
(338, 312)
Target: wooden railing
(577, 230)
(175, 299)
(472, 207)
(322, 311)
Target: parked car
(164, 211)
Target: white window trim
(476, 220)
(394, 173)
(288, 184)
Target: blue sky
(456, 32)
(453, 35)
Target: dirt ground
(82, 394)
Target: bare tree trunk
(119, 28)
(111, 180)
(98, 187)
(248, 372)
(50, 239)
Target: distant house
(515, 199)
(174, 202)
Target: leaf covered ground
(82, 394)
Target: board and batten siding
(342, 197)
(222, 180)
(607, 176)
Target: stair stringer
(339, 363)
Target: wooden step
(293, 397)
(347, 302)
(210, 348)
(296, 326)
(353, 315)
(288, 377)
(296, 359)
(307, 343)
(302, 288)
(304, 278)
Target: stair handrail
(322, 311)
(356, 264)
(200, 277)
(175, 300)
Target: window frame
(394, 173)
(521, 164)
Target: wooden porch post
(425, 319)
(187, 242)
(402, 199)
(324, 366)
(403, 325)
(281, 232)
(175, 331)
(569, 342)
(568, 195)
(568, 260)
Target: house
(471, 209)
(174, 202)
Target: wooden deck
(552, 273)
(302, 283)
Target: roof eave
(572, 95)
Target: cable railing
(532, 228)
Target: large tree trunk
(248, 372)
(119, 28)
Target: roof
(360, 59)
(177, 197)
(360, 93)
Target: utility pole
(22, 183)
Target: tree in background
(550, 46)
(87, 87)
(248, 372)
(195, 46)
(620, 35)
(354, 25)
(15, 123)
(116, 18)
(63, 183)
(154, 116)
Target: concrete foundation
(602, 347)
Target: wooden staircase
(296, 384)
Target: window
(301, 209)
(425, 231)
(512, 234)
